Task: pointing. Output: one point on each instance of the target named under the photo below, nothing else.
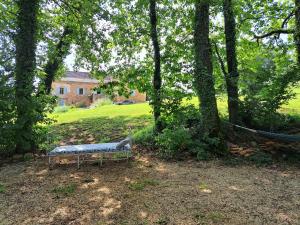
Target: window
(61, 91)
(80, 91)
(132, 93)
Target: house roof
(76, 76)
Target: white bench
(81, 151)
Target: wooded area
(221, 79)
(248, 52)
(157, 48)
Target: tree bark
(157, 81)
(25, 72)
(55, 60)
(204, 82)
(232, 64)
(297, 29)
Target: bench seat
(80, 151)
(88, 149)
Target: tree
(157, 71)
(204, 83)
(55, 59)
(297, 29)
(25, 69)
(232, 75)
(286, 11)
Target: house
(77, 88)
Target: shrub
(173, 142)
(145, 137)
(261, 158)
(61, 109)
(101, 102)
(80, 105)
(264, 94)
(7, 116)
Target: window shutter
(77, 91)
(65, 90)
(57, 91)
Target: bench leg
(78, 161)
(49, 162)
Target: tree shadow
(96, 130)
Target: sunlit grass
(293, 107)
(110, 111)
(142, 109)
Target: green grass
(141, 184)
(107, 123)
(108, 111)
(143, 109)
(65, 190)
(293, 107)
(2, 188)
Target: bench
(81, 151)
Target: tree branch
(222, 64)
(287, 19)
(274, 32)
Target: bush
(261, 158)
(206, 147)
(264, 94)
(101, 102)
(81, 105)
(173, 142)
(145, 137)
(7, 117)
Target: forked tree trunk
(232, 75)
(204, 82)
(25, 72)
(157, 70)
(56, 58)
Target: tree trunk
(297, 29)
(204, 82)
(55, 59)
(157, 70)
(25, 73)
(232, 75)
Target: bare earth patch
(149, 191)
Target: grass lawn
(114, 122)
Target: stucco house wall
(71, 95)
(135, 96)
(76, 88)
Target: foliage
(145, 137)
(261, 158)
(101, 102)
(265, 93)
(141, 184)
(7, 116)
(2, 188)
(173, 142)
(65, 190)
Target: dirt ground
(149, 191)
